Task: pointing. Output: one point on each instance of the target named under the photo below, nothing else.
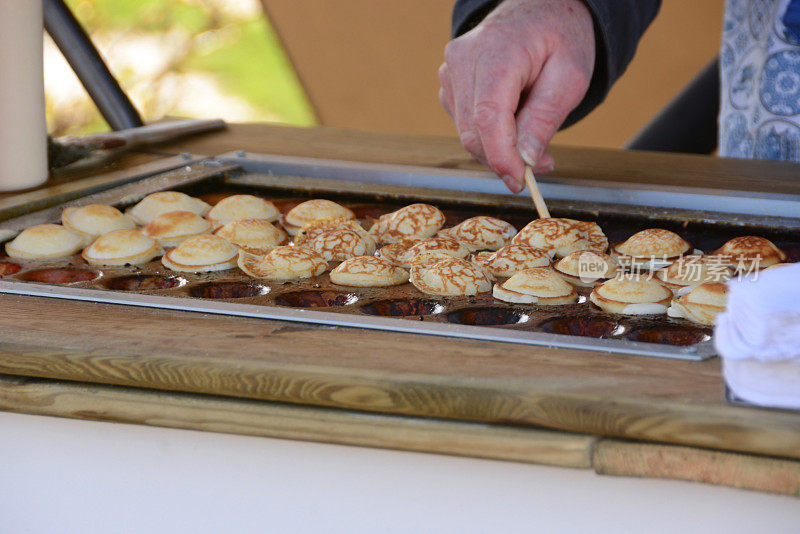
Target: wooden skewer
(536, 195)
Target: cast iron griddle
(400, 308)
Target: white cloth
(758, 338)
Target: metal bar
(93, 73)
(126, 186)
(699, 352)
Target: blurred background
(365, 64)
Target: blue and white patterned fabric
(760, 74)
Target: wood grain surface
(254, 418)
(624, 458)
(492, 441)
(446, 152)
(577, 391)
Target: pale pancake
(481, 233)
(694, 269)
(311, 210)
(702, 304)
(584, 268)
(413, 221)
(237, 207)
(156, 204)
(651, 249)
(254, 236)
(122, 247)
(450, 277)
(368, 271)
(632, 295)
(749, 253)
(202, 253)
(283, 264)
(94, 220)
(439, 246)
(313, 229)
(340, 244)
(562, 236)
(174, 227)
(45, 241)
(539, 285)
(511, 259)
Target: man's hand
(510, 82)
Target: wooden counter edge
(456, 398)
(676, 462)
(497, 442)
(269, 419)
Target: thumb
(559, 88)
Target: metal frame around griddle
(274, 171)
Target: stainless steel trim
(135, 186)
(661, 196)
(697, 352)
(23, 203)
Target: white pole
(23, 132)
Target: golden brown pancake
(562, 236)
(396, 252)
(403, 252)
(311, 210)
(254, 236)
(651, 249)
(311, 230)
(45, 241)
(481, 233)
(450, 277)
(702, 304)
(749, 253)
(584, 268)
(201, 254)
(283, 264)
(689, 271)
(632, 295)
(368, 271)
(413, 221)
(122, 247)
(511, 259)
(94, 220)
(237, 207)
(174, 227)
(156, 204)
(539, 285)
(339, 244)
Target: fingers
(498, 84)
(539, 50)
(545, 164)
(446, 91)
(557, 91)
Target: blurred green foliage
(238, 47)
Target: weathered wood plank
(576, 391)
(623, 458)
(259, 418)
(440, 151)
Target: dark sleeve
(618, 26)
